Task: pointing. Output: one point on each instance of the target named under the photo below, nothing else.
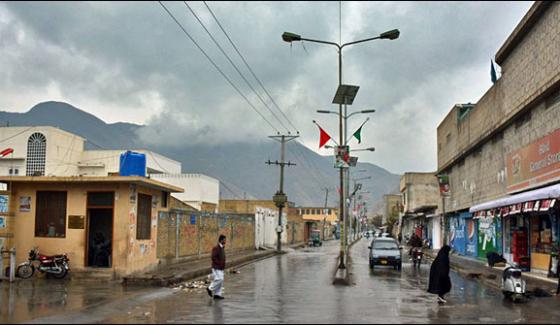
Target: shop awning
(534, 200)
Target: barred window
(50, 214)
(36, 154)
(144, 219)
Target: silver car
(385, 251)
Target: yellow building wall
(129, 255)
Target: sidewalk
(492, 276)
(189, 270)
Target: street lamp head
(371, 149)
(328, 147)
(291, 37)
(323, 111)
(368, 111)
(391, 35)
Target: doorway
(100, 229)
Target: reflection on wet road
(293, 288)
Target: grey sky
(130, 62)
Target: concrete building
(319, 218)
(391, 206)
(69, 214)
(498, 151)
(201, 191)
(49, 151)
(266, 219)
(421, 201)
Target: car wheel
(399, 267)
(371, 265)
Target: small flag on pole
(358, 134)
(324, 136)
(493, 72)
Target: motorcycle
(513, 286)
(57, 265)
(417, 256)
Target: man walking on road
(218, 267)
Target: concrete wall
(244, 206)
(419, 191)
(199, 188)
(527, 74)
(266, 221)
(129, 254)
(391, 204)
(187, 234)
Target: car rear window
(387, 245)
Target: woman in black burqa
(440, 283)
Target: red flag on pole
(324, 138)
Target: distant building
(421, 200)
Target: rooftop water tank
(132, 164)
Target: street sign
(342, 156)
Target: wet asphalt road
(296, 288)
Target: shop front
(524, 227)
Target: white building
(50, 151)
(201, 188)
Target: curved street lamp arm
(322, 42)
(360, 41)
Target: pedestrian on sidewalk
(218, 267)
(440, 283)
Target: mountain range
(240, 167)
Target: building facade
(50, 151)
(104, 223)
(499, 151)
(420, 207)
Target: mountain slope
(240, 167)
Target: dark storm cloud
(130, 62)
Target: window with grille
(144, 219)
(36, 154)
(50, 214)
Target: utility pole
(325, 210)
(280, 199)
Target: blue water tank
(132, 164)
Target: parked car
(386, 252)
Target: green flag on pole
(358, 134)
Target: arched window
(36, 154)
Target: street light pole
(291, 37)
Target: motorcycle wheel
(60, 275)
(25, 271)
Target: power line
(15, 135)
(249, 67)
(235, 66)
(216, 66)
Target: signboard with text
(535, 164)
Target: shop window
(541, 234)
(144, 218)
(50, 215)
